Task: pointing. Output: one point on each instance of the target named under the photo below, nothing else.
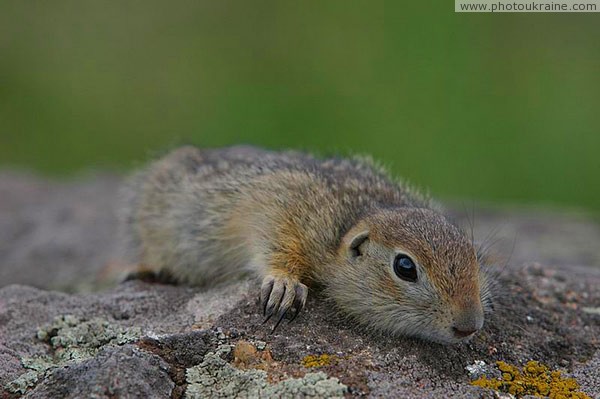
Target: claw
(265, 293)
(268, 315)
(282, 296)
(299, 300)
(295, 314)
(281, 316)
(287, 302)
(276, 297)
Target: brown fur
(208, 216)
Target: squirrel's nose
(467, 322)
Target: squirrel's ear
(358, 243)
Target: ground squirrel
(379, 250)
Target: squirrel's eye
(405, 268)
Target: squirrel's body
(205, 216)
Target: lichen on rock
(534, 379)
(77, 339)
(72, 339)
(215, 377)
(25, 381)
(311, 361)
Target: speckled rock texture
(65, 333)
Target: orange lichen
(319, 360)
(535, 379)
(245, 356)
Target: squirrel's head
(409, 271)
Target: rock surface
(147, 340)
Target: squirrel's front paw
(280, 295)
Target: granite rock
(66, 330)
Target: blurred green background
(492, 107)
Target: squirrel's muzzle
(467, 321)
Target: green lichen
(72, 339)
(77, 339)
(38, 367)
(39, 363)
(215, 378)
(23, 382)
(535, 379)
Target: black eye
(405, 268)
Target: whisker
(512, 251)
(470, 221)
